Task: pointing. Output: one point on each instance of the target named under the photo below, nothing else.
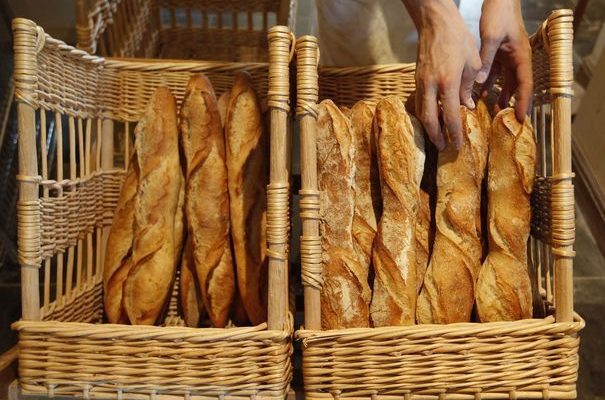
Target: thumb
(489, 48)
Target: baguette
(207, 203)
(247, 180)
(118, 253)
(154, 256)
(345, 295)
(367, 182)
(422, 238)
(191, 302)
(448, 293)
(504, 288)
(223, 103)
(401, 162)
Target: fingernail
(481, 76)
(470, 103)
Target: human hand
(447, 65)
(505, 49)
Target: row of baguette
(193, 198)
(404, 230)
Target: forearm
(425, 12)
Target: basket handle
(559, 44)
(278, 191)
(307, 89)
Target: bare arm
(448, 63)
(505, 49)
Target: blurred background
(366, 32)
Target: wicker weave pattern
(536, 358)
(125, 85)
(185, 29)
(64, 218)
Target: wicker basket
(234, 30)
(63, 221)
(536, 358)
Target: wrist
(431, 12)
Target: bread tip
(199, 82)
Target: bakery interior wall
(376, 31)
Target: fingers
(489, 48)
(468, 79)
(491, 79)
(428, 113)
(524, 79)
(450, 102)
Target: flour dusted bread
(400, 162)
(118, 253)
(366, 183)
(223, 103)
(155, 251)
(345, 295)
(247, 158)
(207, 202)
(504, 288)
(190, 293)
(448, 293)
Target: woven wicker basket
(234, 30)
(63, 221)
(535, 358)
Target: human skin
(449, 62)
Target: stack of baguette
(193, 201)
(402, 224)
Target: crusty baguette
(503, 288)
(423, 227)
(223, 103)
(448, 293)
(190, 293)
(118, 253)
(207, 203)
(154, 255)
(485, 119)
(247, 158)
(367, 181)
(400, 163)
(345, 295)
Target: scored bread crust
(345, 295)
(190, 293)
(367, 181)
(400, 162)
(118, 253)
(154, 255)
(247, 157)
(504, 288)
(207, 200)
(448, 292)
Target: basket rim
(104, 331)
(518, 328)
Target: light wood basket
(536, 358)
(64, 219)
(234, 30)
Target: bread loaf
(400, 162)
(154, 255)
(422, 240)
(247, 158)
(503, 288)
(345, 295)
(191, 302)
(367, 181)
(448, 293)
(118, 253)
(207, 203)
(223, 103)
